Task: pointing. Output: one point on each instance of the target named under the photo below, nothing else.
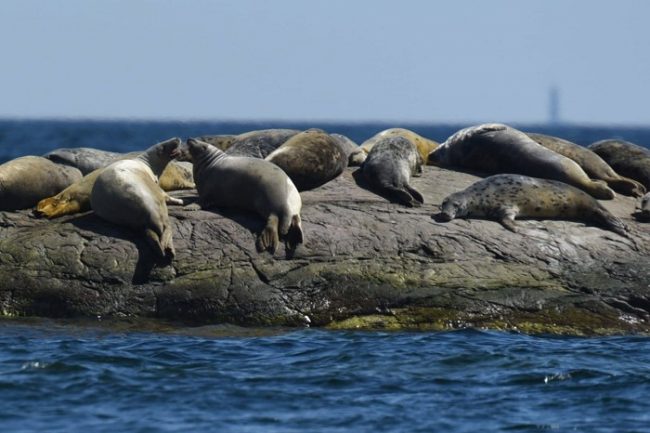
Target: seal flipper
(507, 219)
(627, 186)
(294, 235)
(400, 196)
(415, 193)
(154, 241)
(605, 219)
(599, 190)
(268, 240)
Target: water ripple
(71, 380)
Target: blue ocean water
(68, 379)
(58, 377)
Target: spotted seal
(503, 197)
(591, 163)
(388, 169)
(251, 184)
(127, 193)
(496, 148)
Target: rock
(365, 263)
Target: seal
(503, 197)
(249, 184)
(220, 141)
(26, 180)
(424, 145)
(76, 197)
(591, 163)
(626, 158)
(310, 158)
(494, 148)
(356, 155)
(260, 143)
(86, 159)
(127, 193)
(389, 167)
(643, 212)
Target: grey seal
(260, 143)
(494, 148)
(628, 159)
(86, 159)
(356, 155)
(389, 167)
(591, 163)
(251, 184)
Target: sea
(132, 376)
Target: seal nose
(444, 217)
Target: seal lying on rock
(310, 158)
(356, 155)
(494, 148)
(26, 180)
(86, 159)
(259, 144)
(626, 158)
(643, 213)
(503, 197)
(221, 142)
(389, 167)
(591, 163)
(76, 197)
(250, 184)
(127, 193)
(423, 145)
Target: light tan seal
(249, 184)
(389, 167)
(310, 158)
(26, 180)
(424, 145)
(76, 197)
(504, 197)
(591, 163)
(127, 193)
(494, 148)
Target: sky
(341, 60)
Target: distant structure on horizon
(554, 106)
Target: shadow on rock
(147, 260)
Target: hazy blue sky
(407, 60)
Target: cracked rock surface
(366, 263)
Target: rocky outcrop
(365, 263)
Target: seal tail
(599, 190)
(268, 240)
(402, 196)
(605, 219)
(415, 193)
(627, 186)
(294, 235)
